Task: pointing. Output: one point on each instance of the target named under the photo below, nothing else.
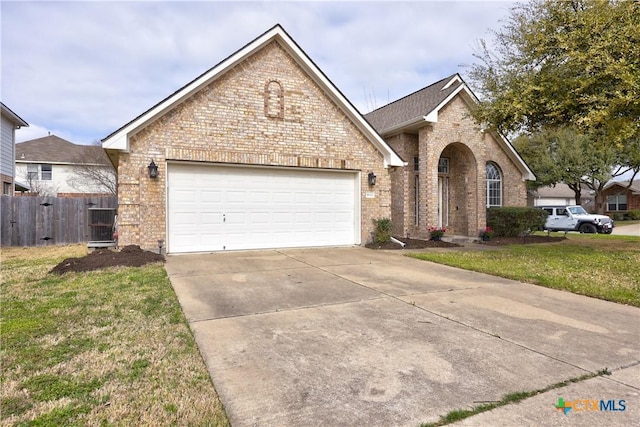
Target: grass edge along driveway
(600, 266)
(109, 347)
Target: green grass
(460, 414)
(600, 266)
(109, 347)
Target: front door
(443, 201)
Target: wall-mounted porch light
(372, 178)
(153, 169)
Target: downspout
(394, 240)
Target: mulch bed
(496, 241)
(413, 244)
(134, 256)
(499, 241)
(128, 256)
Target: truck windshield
(577, 210)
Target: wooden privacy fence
(39, 221)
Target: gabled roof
(422, 107)
(416, 107)
(55, 150)
(635, 186)
(119, 140)
(13, 117)
(559, 190)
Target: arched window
(494, 185)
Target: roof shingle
(413, 106)
(53, 149)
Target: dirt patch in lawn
(413, 244)
(129, 256)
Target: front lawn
(596, 265)
(108, 347)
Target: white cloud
(86, 68)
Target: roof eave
(119, 140)
(15, 119)
(402, 126)
(470, 98)
(527, 173)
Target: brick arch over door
(461, 183)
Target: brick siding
(245, 118)
(459, 138)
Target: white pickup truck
(576, 218)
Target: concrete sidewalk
(351, 336)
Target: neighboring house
(561, 195)
(52, 166)
(620, 199)
(456, 170)
(261, 151)
(10, 122)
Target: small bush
(382, 233)
(617, 216)
(634, 214)
(514, 221)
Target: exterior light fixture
(372, 178)
(153, 169)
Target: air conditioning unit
(102, 228)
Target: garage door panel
(259, 197)
(210, 196)
(224, 208)
(280, 197)
(209, 218)
(282, 217)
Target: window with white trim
(32, 172)
(617, 202)
(46, 171)
(494, 185)
(443, 165)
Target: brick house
(456, 169)
(621, 197)
(261, 151)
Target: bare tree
(37, 186)
(94, 171)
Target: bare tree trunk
(577, 190)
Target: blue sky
(81, 70)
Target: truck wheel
(588, 228)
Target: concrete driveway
(351, 336)
(627, 230)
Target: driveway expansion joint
(287, 310)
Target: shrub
(382, 233)
(634, 214)
(436, 233)
(486, 233)
(617, 216)
(514, 221)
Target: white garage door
(215, 208)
